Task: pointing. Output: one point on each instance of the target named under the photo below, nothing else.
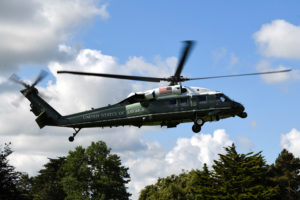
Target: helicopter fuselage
(166, 110)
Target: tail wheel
(196, 128)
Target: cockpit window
(222, 98)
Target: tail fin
(46, 115)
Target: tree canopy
(94, 173)
(286, 174)
(10, 187)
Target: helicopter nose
(239, 109)
(237, 106)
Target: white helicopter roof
(190, 91)
(199, 91)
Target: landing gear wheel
(196, 128)
(244, 115)
(71, 138)
(199, 122)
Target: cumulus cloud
(233, 60)
(265, 65)
(31, 31)
(291, 141)
(279, 39)
(222, 54)
(189, 153)
(244, 144)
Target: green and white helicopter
(166, 106)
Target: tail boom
(46, 115)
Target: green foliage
(286, 174)
(94, 173)
(171, 187)
(10, 187)
(242, 176)
(197, 184)
(46, 185)
(201, 184)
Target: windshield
(222, 97)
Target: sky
(145, 38)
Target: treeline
(95, 173)
(233, 177)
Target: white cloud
(222, 54)
(245, 144)
(291, 141)
(233, 60)
(219, 54)
(31, 31)
(253, 124)
(279, 39)
(265, 65)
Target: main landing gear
(71, 138)
(197, 125)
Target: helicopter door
(211, 101)
(202, 102)
(183, 103)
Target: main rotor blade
(40, 77)
(16, 79)
(184, 54)
(128, 77)
(235, 75)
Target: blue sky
(145, 38)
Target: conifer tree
(9, 177)
(47, 184)
(201, 185)
(242, 176)
(286, 174)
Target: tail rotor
(28, 88)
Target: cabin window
(184, 101)
(202, 99)
(172, 102)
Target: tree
(201, 185)
(242, 176)
(195, 185)
(286, 174)
(47, 184)
(171, 187)
(94, 173)
(9, 178)
(234, 177)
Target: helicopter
(165, 106)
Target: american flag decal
(165, 90)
